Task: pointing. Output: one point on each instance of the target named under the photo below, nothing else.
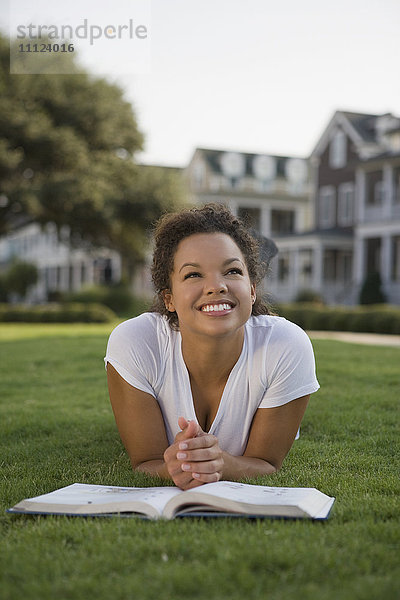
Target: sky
(250, 75)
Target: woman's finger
(204, 441)
(207, 477)
(199, 455)
(209, 466)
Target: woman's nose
(215, 286)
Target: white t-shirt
(276, 366)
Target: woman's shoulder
(278, 329)
(280, 346)
(271, 322)
(148, 327)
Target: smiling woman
(208, 385)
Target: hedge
(379, 318)
(57, 313)
(369, 319)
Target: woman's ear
(253, 293)
(167, 297)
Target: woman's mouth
(217, 308)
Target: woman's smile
(217, 309)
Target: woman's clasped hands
(195, 456)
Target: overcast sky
(255, 75)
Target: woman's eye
(190, 275)
(235, 271)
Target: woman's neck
(209, 361)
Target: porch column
(294, 272)
(317, 264)
(265, 224)
(64, 275)
(359, 261)
(388, 186)
(360, 196)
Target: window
(338, 266)
(330, 264)
(396, 258)
(215, 183)
(375, 188)
(198, 175)
(347, 259)
(397, 185)
(379, 192)
(346, 204)
(373, 255)
(282, 221)
(305, 267)
(327, 206)
(338, 150)
(251, 217)
(283, 267)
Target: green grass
(57, 428)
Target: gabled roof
(364, 124)
(360, 127)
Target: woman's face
(211, 291)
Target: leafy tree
(67, 147)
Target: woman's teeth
(215, 307)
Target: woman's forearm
(154, 467)
(238, 467)
(235, 467)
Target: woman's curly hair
(172, 228)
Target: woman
(208, 385)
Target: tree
(371, 291)
(67, 147)
(20, 277)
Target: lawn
(57, 428)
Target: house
(271, 193)
(356, 197)
(61, 266)
(335, 217)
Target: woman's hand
(195, 456)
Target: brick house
(356, 198)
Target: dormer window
(338, 150)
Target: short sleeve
(290, 368)
(133, 350)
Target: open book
(212, 499)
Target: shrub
(57, 313)
(3, 289)
(117, 297)
(19, 277)
(371, 291)
(309, 296)
(372, 319)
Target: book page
(310, 500)
(80, 494)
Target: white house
(271, 193)
(61, 266)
